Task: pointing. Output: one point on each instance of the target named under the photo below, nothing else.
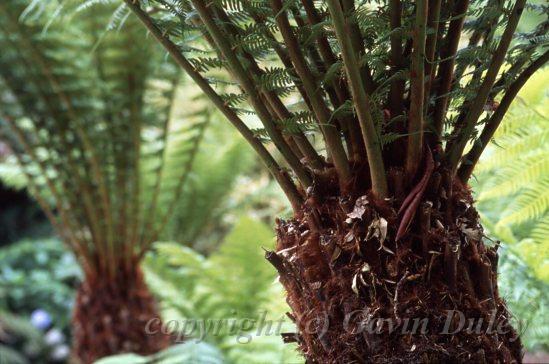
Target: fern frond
(192, 287)
(517, 176)
(513, 174)
(88, 113)
(530, 205)
(540, 233)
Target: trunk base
(359, 296)
(110, 317)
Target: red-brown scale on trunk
(112, 316)
(342, 268)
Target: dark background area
(20, 217)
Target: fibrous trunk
(359, 295)
(111, 317)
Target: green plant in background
(88, 115)
(39, 274)
(234, 283)
(199, 219)
(20, 342)
(513, 177)
(528, 299)
(38, 282)
(512, 188)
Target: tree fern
(310, 52)
(93, 132)
(404, 96)
(87, 107)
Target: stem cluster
(354, 94)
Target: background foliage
(234, 283)
(513, 176)
(512, 188)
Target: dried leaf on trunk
(378, 230)
(359, 209)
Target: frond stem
(249, 87)
(361, 101)
(396, 91)
(446, 68)
(417, 96)
(455, 149)
(472, 157)
(280, 176)
(323, 114)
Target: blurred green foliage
(512, 178)
(39, 274)
(528, 299)
(20, 342)
(234, 284)
(189, 352)
(199, 218)
(512, 189)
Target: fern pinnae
(517, 176)
(541, 230)
(38, 189)
(164, 136)
(186, 170)
(531, 205)
(515, 145)
(68, 191)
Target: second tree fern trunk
(111, 317)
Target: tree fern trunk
(346, 273)
(111, 316)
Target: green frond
(540, 233)
(527, 141)
(206, 194)
(203, 276)
(530, 205)
(87, 105)
(11, 175)
(511, 179)
(85, 5)
(193, 287)
(526, 295)
(518, 159)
